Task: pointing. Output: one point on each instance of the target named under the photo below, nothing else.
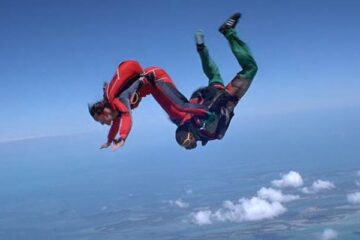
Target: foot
(230, 23)
(199, 39)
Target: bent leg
(239, 85)
(165, 91)
(168, 91)
(209, 67)
(242, 54)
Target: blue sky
(55, 55)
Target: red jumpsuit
(154, 81)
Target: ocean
(266, 181)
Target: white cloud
(274, 195)
(292, 179)
(329, 234)
(189, 191)
(354, 198)
(253, 209)
(317, 186)
(179, 203)
(320, 185)
(202, 217)
(357, 183)
(358, 173)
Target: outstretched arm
(122, 104)
(125, 120)
(121, 124)
(112, 132)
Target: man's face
(105, 117)
(189, 142)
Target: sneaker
(199, 37)
(230, 23)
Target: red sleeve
(114, 129)
(186, 118)
(125, 118)
(195, 100)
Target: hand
(105, 145)
(117, 144)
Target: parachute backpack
(126, 74)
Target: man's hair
(182, 133)
(98, 107)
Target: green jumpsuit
(215, 127)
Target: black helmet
(185, 137)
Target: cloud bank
(253, 209)
(292, 179)
(267, 204)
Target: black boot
(230, 23)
